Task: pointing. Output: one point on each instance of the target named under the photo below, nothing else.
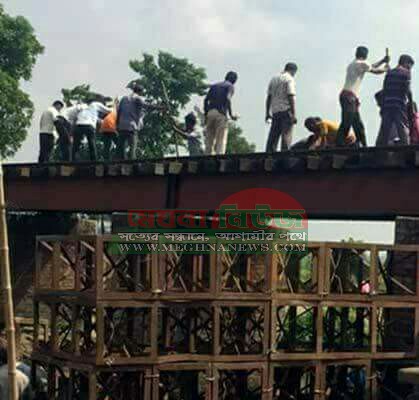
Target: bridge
(372, 183)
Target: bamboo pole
(6, 289)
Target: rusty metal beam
(378, 183)
(324, 195)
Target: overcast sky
(93, 40)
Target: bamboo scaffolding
(6, 289)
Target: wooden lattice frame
(158, 294)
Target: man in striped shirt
(396, 96)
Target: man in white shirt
(349, 97)
(48, 132)
(64, 124)
(280, 108)
(86, 126)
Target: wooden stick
(167, 101)
(6, 289)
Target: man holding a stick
(129, 121)
(349, 97)
(190, 134)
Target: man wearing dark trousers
(64, 142)
(395, 98)
(280, 108)
(349, 97)
(86, 127)
(64, 124)
(130, 114)
(48, 132)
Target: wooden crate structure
(221, 326)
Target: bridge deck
(372, 183)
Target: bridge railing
(341, 271)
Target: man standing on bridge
(396, 97)
(87, 120)
(349, 97)
(48, 132)
(217, 108)
(129, 121)
(66, 120)
(280, 108)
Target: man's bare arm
(291, 99)
(378, 71)
(154, 107)
(230, 110)
(179, 131)
(377, 68)
(206, 105)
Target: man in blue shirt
(395, 97)
(217, 108)
(129, 122)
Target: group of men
(120, 125)
(399, 121)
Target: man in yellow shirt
(325, 134)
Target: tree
(19, 49)
(79, 94)
(16, 110)
(182, 80)
(236, 142)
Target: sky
(92, 41)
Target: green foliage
(19, 49)
(236, 142)
(79, 94)
(16, 110)
(182, 80)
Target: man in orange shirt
(109, 132)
